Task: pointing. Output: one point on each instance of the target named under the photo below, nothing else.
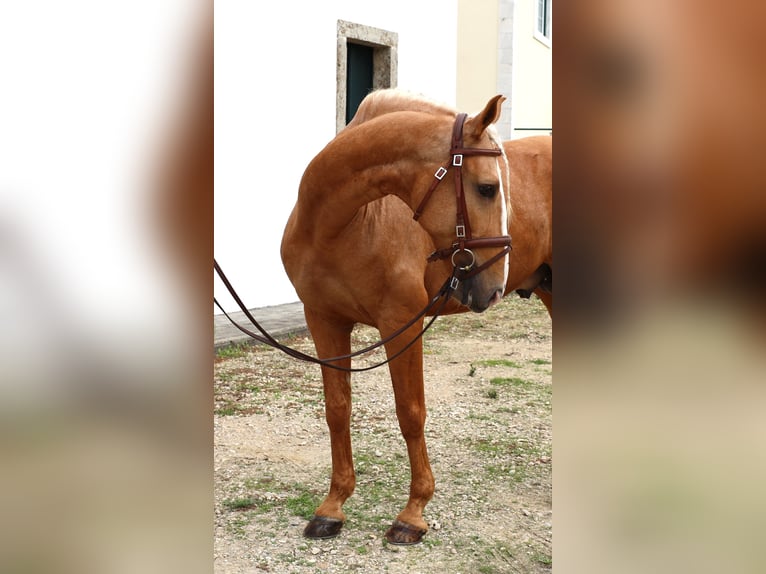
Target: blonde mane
(389, 100)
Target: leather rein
(462, 257)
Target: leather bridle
(464, 242)
(460, 248)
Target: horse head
(476, 238)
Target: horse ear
(489, 115)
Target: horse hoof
(403, 534)
(322, 527)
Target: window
(367, 60)
(543, 26)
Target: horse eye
(487, 190)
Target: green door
(358, 76)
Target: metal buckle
(454, 283)
(440, 173)
(457, 159)
(460, 231)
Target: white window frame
(546, 33)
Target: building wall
(275, 108)
(505, 57)
(499, 53)
(477, 53)
(532, 97)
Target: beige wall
(498, 53)
(476, 53)
(532, 94)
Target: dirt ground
(488, 393)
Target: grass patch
(228, 409)
(509, 458)
(498, 363)
(233, 351)
(475, 417)
(511, 381)
(303, 505)
(540, 362)
(238, 524)
(430, 542)
(244, 503)
(544, 559)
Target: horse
(531, 163)
(356, 254)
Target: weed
(253, 484)
(303, 505)
(245, 503)
(475, 417)
(233, 351)
(430, 542)
(237, 524)
(544, 559)
(499, 363)
(228, 409)
(513, 381)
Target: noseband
(460, 252)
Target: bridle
(464, 241)
(461, 270)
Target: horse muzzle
(477, 297)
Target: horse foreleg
(407, 379)
(547, 298)
(332, 340)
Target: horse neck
(360, 165)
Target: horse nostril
(497, 296)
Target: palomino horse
(529, 190)
(355, 255)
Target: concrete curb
(278, 320)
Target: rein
(461, 270)
(444, 293)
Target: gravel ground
(488, 392)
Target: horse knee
(412, 421)
(338, 412)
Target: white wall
(275, 85)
